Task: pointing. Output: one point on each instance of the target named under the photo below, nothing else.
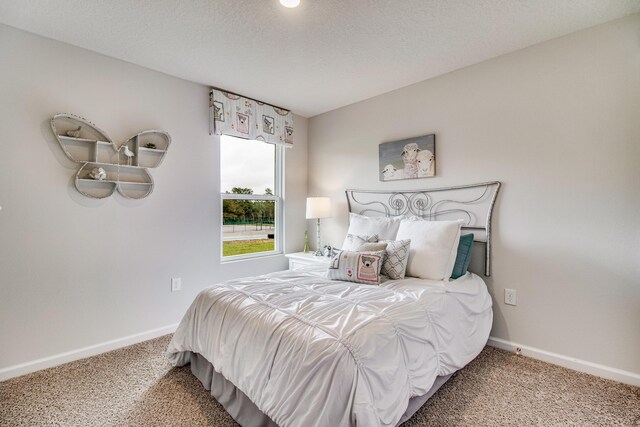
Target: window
(251, 187)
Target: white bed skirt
(247, 414)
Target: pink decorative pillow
(359, 267)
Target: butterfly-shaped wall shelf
(125, 167)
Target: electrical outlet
(510, 297)
(176, 284)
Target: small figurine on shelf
(74, 133)
(306, 242)
(151, 145)
(129, 154)
(98, 174)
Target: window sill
(248, 257)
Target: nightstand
(301, 259)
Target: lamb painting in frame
(408, 158)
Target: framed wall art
(408, 158)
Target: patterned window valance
(234, 115)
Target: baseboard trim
(568, 362)
(535, 353)
(81, 353)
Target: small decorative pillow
(352, 242)
(372, 247)
(395, 263)
(359, 267)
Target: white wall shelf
(114, 182)
(128, 175)
(152, 150)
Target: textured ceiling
(314, 58)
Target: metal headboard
(472, 203)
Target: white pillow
(385, 227)
(434, 246)
(352, 242)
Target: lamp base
(318, 248)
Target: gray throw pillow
(372, 247)
(395, 263)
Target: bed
(296, 348)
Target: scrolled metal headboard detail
(472, 203)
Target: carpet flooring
(135, 386)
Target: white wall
(74, 271)
(559, 125)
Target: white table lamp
(318, 207)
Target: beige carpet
(135, 386)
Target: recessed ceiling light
(290, 3)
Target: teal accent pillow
(463, 258)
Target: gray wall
(559, 125)
(74, 271)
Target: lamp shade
(318, 207)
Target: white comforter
(309, 351)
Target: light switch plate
(176, 284)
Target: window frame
(277, 198)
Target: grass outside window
(241, 247)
